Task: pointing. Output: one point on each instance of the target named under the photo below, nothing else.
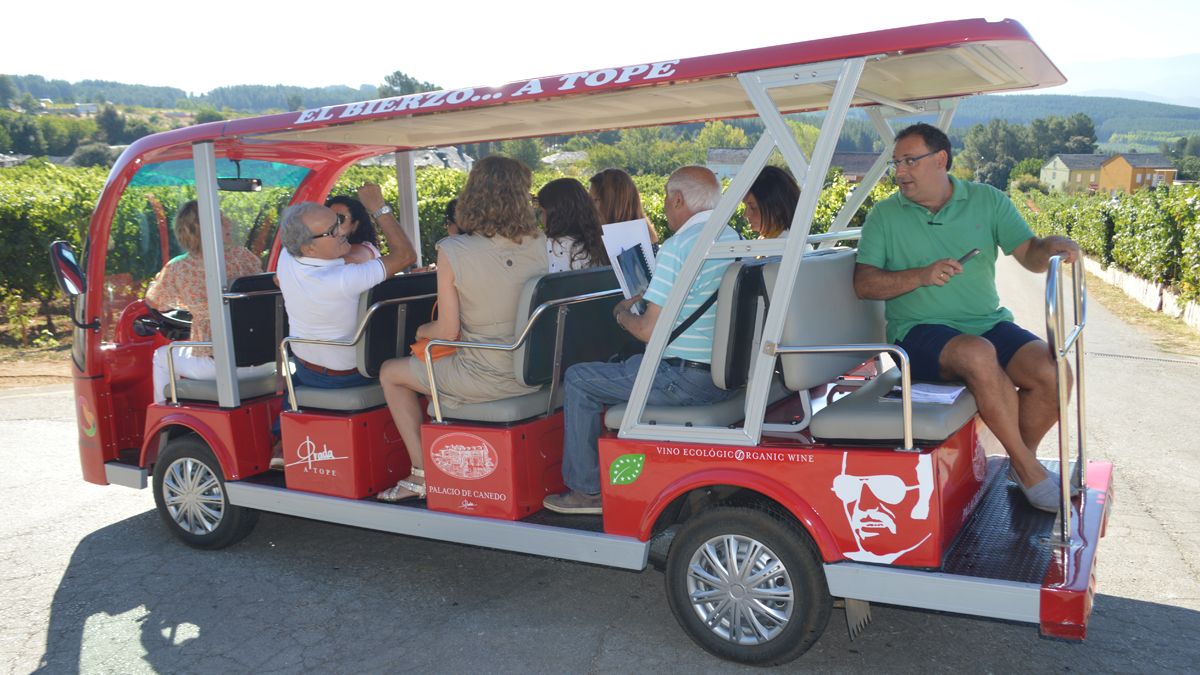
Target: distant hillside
(1121, 123)
(245, 98)
(1110, 115)
(89, 91)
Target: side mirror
(66, 269)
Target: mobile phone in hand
(968, 255)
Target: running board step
(542, 540)
(974, 596)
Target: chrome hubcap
(193, 496)
(740, 589)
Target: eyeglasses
(887, 489)
(333, 231)
(909, 162)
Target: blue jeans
(302, 376)
(311, 378)
(589, 387)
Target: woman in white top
(572, 225)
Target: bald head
(690, 190)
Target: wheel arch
(697, 492)
(177, 424)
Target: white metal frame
(212, 243)
(843, 78)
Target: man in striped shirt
(683, 376)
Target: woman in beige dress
(480, 274)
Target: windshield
(143, 239)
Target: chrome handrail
(559, 303)
(897, 352)
(848, 234)
(359, 331)
(249, 294)
(171, 347)
(1061, 347)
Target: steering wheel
(173, 324)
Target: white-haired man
(320, 289)
(683, 376)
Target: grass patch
(1168, 334)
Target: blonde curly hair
(496, 201)
(187, 228)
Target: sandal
(394, 493)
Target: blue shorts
(925, 342)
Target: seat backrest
(824, 310)
(394, 327)
(590, 333)
(740, 309)
(256, 321)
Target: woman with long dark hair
(617, 199)
(573, 234)
(364, 242)
(771, 202)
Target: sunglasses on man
(333, 231)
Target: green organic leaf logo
(626, 469)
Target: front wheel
(746, 585)
(189, 492)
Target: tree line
(247, 98)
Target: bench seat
(862, 417)
(722, 414)
(588, 334)
(505, 410)
(254, 386)
(348, 399)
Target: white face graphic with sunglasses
(871, 504)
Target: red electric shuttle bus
(753, 506)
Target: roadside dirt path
(33, 367)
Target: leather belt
(676, 361)
(322, 369)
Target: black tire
(189, 491)
(787, 625)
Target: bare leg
(1033, 371)
(973, 360)
(401, 390)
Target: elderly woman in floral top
(180, 285)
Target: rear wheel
(746, 584)
(189, 492)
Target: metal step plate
(1006, 538)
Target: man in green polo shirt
(946, 314)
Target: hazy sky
(457, 43)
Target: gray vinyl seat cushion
(722, 414)
(206, 390)
(347, 399)
(861, 416)
(503, 411)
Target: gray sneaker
(1043, 495)
(574, 503)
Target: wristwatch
(381, 211)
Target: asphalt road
(91, 581)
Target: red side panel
(344, 455)
(495, 472)
(864, 504)
(94, 415)
(240, 438)
(1070, 582)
